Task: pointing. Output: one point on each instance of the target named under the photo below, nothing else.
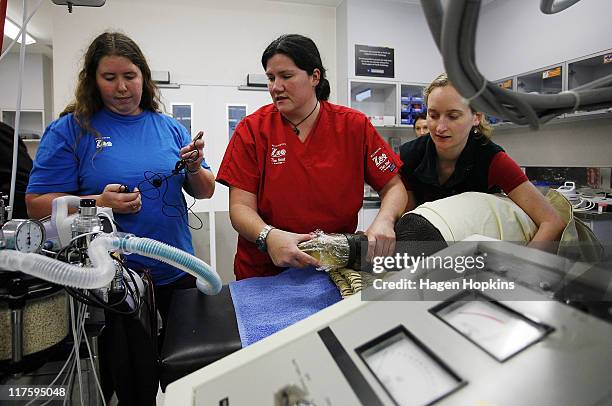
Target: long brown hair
(484, 127)
(87, 99)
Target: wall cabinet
(508, 84)
(387, 103)
(563, 76)
(542, 81)
(584, 70)
(411, 103)
(377, 100)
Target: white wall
(399, 26)
(342, 52)
(582, 143)
(199, 41)
(515, 37)
(33, 96)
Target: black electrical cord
(135, 295)
(154, 181)
(63, 251)
(89, 297)
(145, 275)
(159, 182)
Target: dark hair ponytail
(323, 89)
(304, 53)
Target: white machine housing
(321, 361)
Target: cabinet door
(544, 81)
(586, 70)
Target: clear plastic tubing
(103, 269)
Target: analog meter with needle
(495, 328)
(24, 235)
(408, 371)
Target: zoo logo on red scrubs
(382, 161)
(278, 154)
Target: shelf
(543, 81)
(369, 203)
(168, 85)
(377, 100)
(584, 70)
(31, 121)
(388, 104)
(563, 76)
(388, 126)
(563, 119)
(411, 103)
(253, 88)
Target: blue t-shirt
(130, 150)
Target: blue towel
(265, 305)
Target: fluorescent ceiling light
(366, 94)
(11, 30)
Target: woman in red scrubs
(299, 165)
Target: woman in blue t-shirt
(113, 137)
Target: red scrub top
(303, 187)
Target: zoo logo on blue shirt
(103, 143)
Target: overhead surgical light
(83, 3)
(12, 30)
(552, 6)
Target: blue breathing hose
(208, 281)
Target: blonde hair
(484, 128)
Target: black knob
(88, 203)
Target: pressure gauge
(408, 370)
(24, 235)
(496, 329)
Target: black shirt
(24, 166)
(471, 173)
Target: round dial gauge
(24, 235)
